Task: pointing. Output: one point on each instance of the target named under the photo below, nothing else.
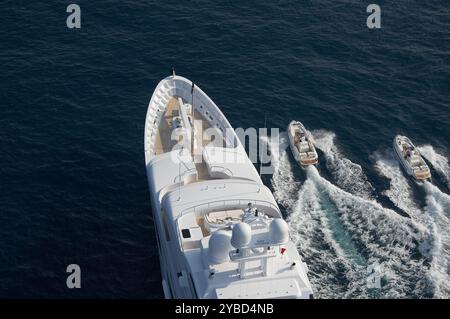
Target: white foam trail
(434, 224)
(438, 208)
(340, 234)
(439, 162)
(384, 237)
(348, 175)
(311, 229)
(283, 181)
(341, 239)
(399, 192)
(329, 263)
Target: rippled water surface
(72, 110)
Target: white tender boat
(302, 144)
(219, 231)
(411, 160)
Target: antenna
(173, 72)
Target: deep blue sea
(73, 184)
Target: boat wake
(399, 191)
(347, 175)
(284, 183)
(383, 238)
(438, 208)
(432, 221)
(438, 161)
(354, 247)
(336, 267)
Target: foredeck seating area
(303, 147)
(163, 142)
(222, 218)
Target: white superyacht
(219, 230)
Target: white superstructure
(220, 232)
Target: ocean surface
(73, 185)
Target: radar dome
(242, 235)
(278, 231)
(219, 247)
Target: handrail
(237, 202)
(242, 202)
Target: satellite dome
(219, 247)
(242, 234)
(278, 231)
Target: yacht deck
(163, 142)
